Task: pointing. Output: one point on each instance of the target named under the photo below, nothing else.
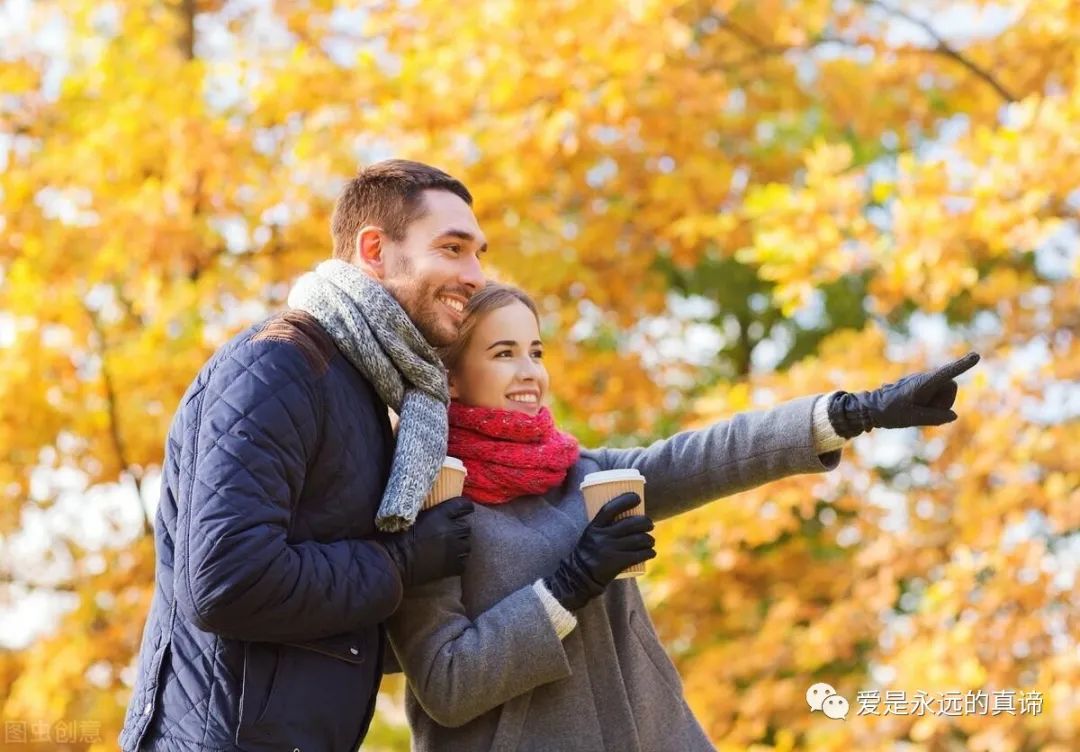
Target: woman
(536, 646)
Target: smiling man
(272, 581)
(432, 269)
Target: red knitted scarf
(507, 453)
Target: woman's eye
(503, 354)
(538, 354)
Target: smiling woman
(539, 644)
(497, 360)
(538, 628)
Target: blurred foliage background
(719, 205)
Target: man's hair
(389, 195)
(491, 297)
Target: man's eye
(538, 354)
(453, 248)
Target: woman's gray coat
(485, 664)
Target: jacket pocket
(261, 662)
(664, 721)
(347, 647)
(308, 697)
(655, 653)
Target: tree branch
(747, 38)
(763, 50)
(946, 49)
(114, 419)
(10, 580)
(187, 33)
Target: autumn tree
(719, 205)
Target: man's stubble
(418, 300)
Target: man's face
(435, 269)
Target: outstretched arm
(801, 436)
(752, 448)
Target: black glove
(607, 547)
(922, 399)
(436, 546)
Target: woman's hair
(491, 298)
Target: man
(272, 583)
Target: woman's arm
(753, 448)
(459, 668)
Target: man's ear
(368, 253)
(454, 394)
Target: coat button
(146, 710)
(354, 651)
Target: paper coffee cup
(601, 487)
(450, 482)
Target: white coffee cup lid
(455, 464)
(608, 476)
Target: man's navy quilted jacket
(265, 628)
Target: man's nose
(471, 275)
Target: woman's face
(502, 365)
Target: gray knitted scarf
(378, 338)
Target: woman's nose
(528, 369)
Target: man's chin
(441, 335)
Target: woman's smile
(528, 400)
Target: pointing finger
(957, 367)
